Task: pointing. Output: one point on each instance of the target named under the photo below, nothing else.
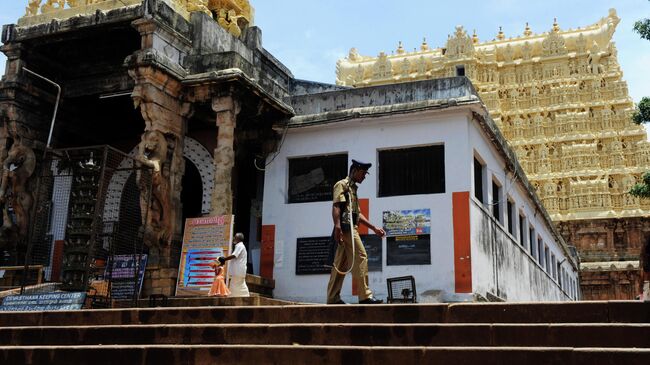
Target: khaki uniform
(343, 258)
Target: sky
(309, 36)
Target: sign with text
(408, 250)
(123, 275)
(407, 222)
(373, 245)
(204, 240)
(58, 301)
(312, 255)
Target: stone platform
(530, 333)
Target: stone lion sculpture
(17, 169)
(153, 151)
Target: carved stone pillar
(14, 64)
(227, 109)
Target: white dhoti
(238, 287)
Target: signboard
(123, 275)
(407, 222)
(408, 250)
(312, 255)
(43, 302)
(204, 240)
(373, 245)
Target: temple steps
(502, 333)
(569, 312)
(338, 334)
(357, 355)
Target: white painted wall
(516, 268)
(361, 139)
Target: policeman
(345, 211)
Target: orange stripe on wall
(462, 246)
(364, 206)
(267, 256)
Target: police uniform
(343, 190)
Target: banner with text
(407, 222)
(204, 240)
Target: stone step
(342, 334)
(253, 354)
(572, 312)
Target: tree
(642, 113)
(643, 28)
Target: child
(219, 288)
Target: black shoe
(338, 302)
(371, 301)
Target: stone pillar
(227, 109)
(14, 64)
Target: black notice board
(373, 245)
(408, 250)
(122, 274)
(312, 254)
(43, 302)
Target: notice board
(123, 276)
(312, 255)
(408, 250)
(204, 240)
(57, 301)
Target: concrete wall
(361, 138)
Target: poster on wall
(407, 222)
(408, 239)
(204, 240)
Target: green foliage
(642, 113)
(642, 190)
(643, 28)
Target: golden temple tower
(560, 100)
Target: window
(417, 170)
(460, 70)
(532, 241)
(554, 266)
(511, 217)
(547, 260)
(540, 251)
(522, 232)
(311, 179)
(478, 180)
(496, 201)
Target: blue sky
(310, 35)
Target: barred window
(410, 171)
(311, 179)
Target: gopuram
(560, 100)
(183, 86)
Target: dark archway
(192, 193)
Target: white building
(433, 147)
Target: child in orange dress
(219, 288)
